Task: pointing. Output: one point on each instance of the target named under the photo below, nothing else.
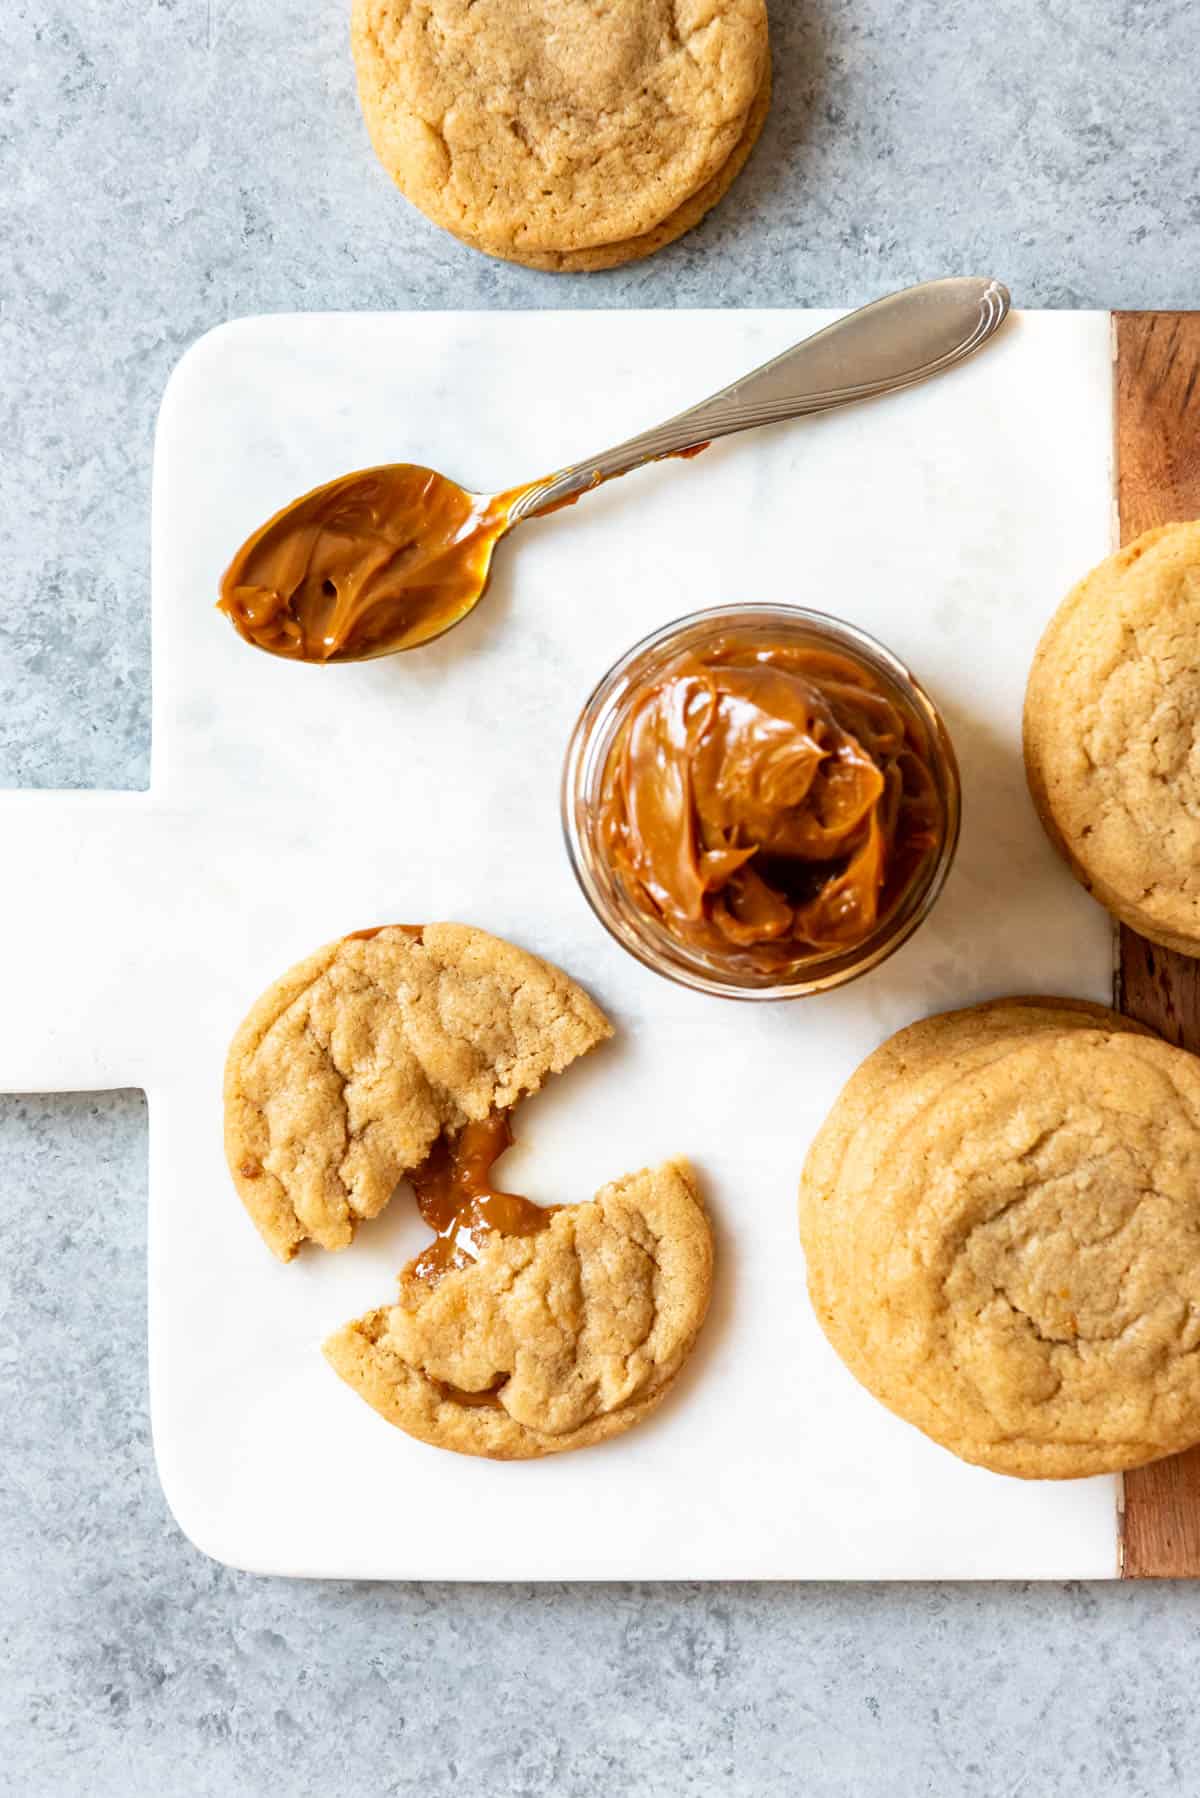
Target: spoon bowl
(374, 562)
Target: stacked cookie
(563, 134)
(1000, 1218)
(1112, 734)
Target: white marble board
(291, 804)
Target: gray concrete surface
(167, 164)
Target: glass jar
(645, 935)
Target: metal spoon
(392, 557)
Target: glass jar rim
(587, 754)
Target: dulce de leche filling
(370, 563)
(767, 803)
(457, 1200)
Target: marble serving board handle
(1157, 356)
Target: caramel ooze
(457, 1200)
(768, 802)
(370, 563)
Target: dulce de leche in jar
(761, 802)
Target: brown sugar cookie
(348, 1069)
(905, 1075)
(1112, 734)
(1007, 1251)
(560, 126)
(910, 1069)
(633, 249)
(548, 1340)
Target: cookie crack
(651, 1254)
(1081, 1342)
(325, 1051)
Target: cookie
(904, 1076)
(561, 126)
(910, 1068)
(1005, 1251)
(352, 1065)
(546, 1342)
(1112, 746)
(633, 249)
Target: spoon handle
(890, 344)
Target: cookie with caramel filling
(551, 1339)
(520, 1330)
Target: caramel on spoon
(392, 557)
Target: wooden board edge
(1156, 438)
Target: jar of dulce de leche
(760, 802)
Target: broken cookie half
(520, 1330)
(549, 1340)
(348, 1070)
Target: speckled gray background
(170, 163)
